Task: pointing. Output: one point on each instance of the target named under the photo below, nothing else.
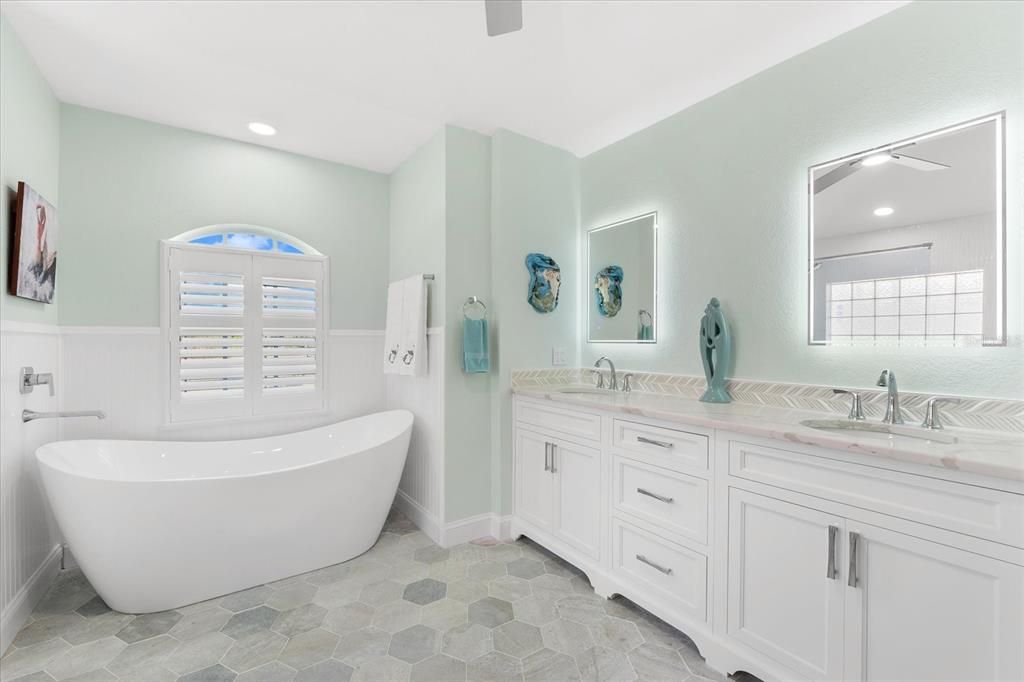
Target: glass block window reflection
(247, 240)
(946, 307)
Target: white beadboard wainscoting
(421, 491)
(29, 539)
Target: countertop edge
(942, 456)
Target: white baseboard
(480, 526)
(423, 519)
(20, 608)
(464, 530)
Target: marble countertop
(995, 454)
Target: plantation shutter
(246, 333)
(208, 336)
(292, 334)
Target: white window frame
(254, 405)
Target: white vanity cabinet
(785, 595)
(556, 490)
(789, 561)
(923, 610)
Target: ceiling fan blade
(835, 175)
(918, 164)
(503, 16)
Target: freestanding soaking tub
(158, 525)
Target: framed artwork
(33, 271)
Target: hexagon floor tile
(405, 610)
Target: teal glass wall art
(545, 282)
(608, 290)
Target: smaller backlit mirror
(622, 277)
(907, 241)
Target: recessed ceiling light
(262, 128)
(876, 159)
(883, 211)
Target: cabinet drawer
(676, 450)
(669, 573)
(972, 510)
(675, 502)
(551, 418)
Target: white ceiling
(967, 187)
(366, 83)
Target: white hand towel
(393, 329)
(413, 356)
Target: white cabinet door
(925, 611)
(578, 495)
(785, 596)
(534, 480)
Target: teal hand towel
(476, 355)
(645, 332)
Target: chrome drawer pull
(854, 543)
(641, 558)
(547, 456)
(659, 498)
(659, 443)
(830, 568)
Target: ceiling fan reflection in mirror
(503, 16)
(876, 159)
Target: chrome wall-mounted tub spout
(31, 415)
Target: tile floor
(405, 610)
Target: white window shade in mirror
(907, 241)
(245, 332)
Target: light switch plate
(558, 357)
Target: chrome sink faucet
(893, 415)
(613, 381)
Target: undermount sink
(882, 430)
(580, 390)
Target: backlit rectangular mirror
(907, 241)
(622, 275)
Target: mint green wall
(534, 207)
(467, 272)
(128, 183)
(417, 221)
(29, 152)
(728, 178)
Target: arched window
(248, 237)
(245, 318)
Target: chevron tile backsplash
(989, 414)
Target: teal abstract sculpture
(715, 352)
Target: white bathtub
(158, 525)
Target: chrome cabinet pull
(642, 559)
(659, 498)
(547, 456)
(553, 469)
(854, 543)
(831, 571)
(659, 443)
